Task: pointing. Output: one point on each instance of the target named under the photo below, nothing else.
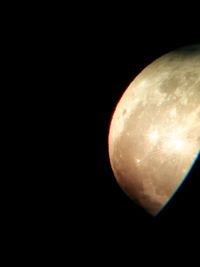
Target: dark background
(68, 67)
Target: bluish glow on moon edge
(195, 159)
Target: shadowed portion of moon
(154, 134)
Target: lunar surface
(154, 136)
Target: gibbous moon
(154, 136)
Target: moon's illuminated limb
(154, 135)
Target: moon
(154, 135)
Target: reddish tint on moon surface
(154, 135)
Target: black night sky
(69, 70)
